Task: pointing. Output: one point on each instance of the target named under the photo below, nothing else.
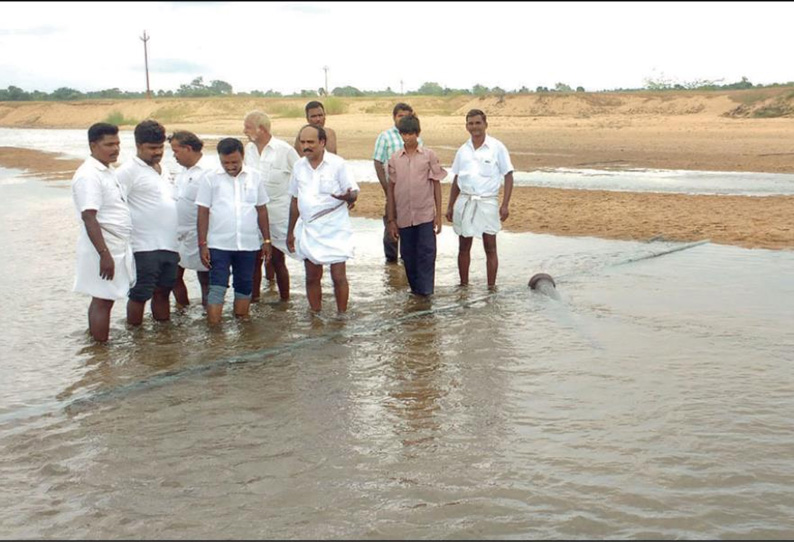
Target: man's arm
(330, 144)
(380, 171)
(293, 218)
(202, 225)
(437, 197)
(453, 195)
(107, 267)
(504, 211)
(297, 144)
(264, 229)
(391, 212)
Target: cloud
(307, 9)
(174, 65)
(35, 31)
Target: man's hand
(291, 241)
(437, 224)
(350, 197)
(267, 251)
(204, 253)
(107, 267)
(503, 213)
(394, 231)
(449, 214)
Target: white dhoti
(87, 279)
(189, 257)
(278, 217)
(325, 239)
(474, 215)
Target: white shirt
(275, 164)
(232, 202)
(95, 186)
(481, 172)
(313, 187)
(152, 200)
(187, 185)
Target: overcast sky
(285, 45)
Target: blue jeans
(239, 264)
(418, 251)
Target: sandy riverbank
(716, 131)
(751, 222)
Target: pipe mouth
(537, 277)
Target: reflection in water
(652, 400)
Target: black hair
(409, 125)
(314, 104)
(101, 129)
(230, 145)
(149, 131)
(188, 139)
(321, 135)
(401, 107)
(474, 113)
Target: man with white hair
(274, 159)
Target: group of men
(269, 199)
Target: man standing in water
(388, 142)
(187, 152)
(150, 195)
(322, 190)
(105, 265)
(315, 115)
(479, 167)
(273, 158)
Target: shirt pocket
(487, 166)
(250, 194)
(328, 185)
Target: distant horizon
(280, 46)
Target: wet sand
(750, 222)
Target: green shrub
(334, 106)
(117, 118)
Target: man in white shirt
(479, 167)
(232, 214)
(152, 201)
(319, 231)
(105, 265)
(187, 147)
(274, 159)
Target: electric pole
(401, 87)
(325, 68)
(144, 39)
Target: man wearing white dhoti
(480, 166)
(319, 230)
(274, 159)
(105, 264)
(187, 148)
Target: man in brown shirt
(413, 206)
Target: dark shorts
(154, 269)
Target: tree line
(198, 88)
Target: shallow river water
(652, 400)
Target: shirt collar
(485, 143)
(97, 164)
(419, 149)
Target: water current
(653, 399)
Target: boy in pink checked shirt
(413, 206)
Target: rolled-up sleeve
(437, 172)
